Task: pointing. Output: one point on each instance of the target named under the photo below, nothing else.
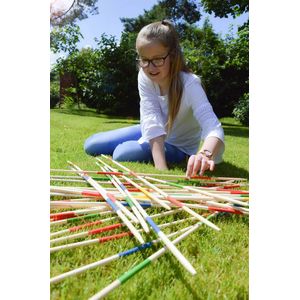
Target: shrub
(241, 110)
(54, 93)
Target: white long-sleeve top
(195, 119)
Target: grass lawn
(220, 258)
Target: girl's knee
(132, 151)
(106, 142)
(94, 145)
(90, 146)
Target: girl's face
(152, 55)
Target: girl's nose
(151, 67)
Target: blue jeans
(123, 145)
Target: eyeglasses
(156, 62)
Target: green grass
(220, 258)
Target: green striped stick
(212, 195)
(123, 278)
(157, 174)
(151, 196)
(169, 198)
(111, 258)
(78, 218)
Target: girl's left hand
(199, 162)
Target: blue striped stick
(116, 182)
(111, 200)
(169, 198)
(127, 275)
(107, 238)
(154, 198)
(99, 229)
(109, 259)
(162, 236)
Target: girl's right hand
(199, 163)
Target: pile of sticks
(121, 193)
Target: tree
(223, 8)
(71, 12)
(65, 39)
(179, 12)
(205, 55)
(182, 10)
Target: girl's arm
(152, 123)
(212, 132)
(157, 145)
(204, 159)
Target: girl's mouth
(153, 74)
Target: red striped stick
(111, 200)
(119, 186)
(109, 238)
(168, 197)
(153, 174)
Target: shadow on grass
(224, 169)
(238, 131)
(129, 121)
(94, 114)
(179, 275)
(78, 112)
(232, 124)
(230, 170)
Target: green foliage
(205, 54)
(223, 8)
(54, 93)
(241, 110)
(222, 64)
(119, 94)
(182, 10)
(237, 49)
(179, 12)
(70, 98)
(106, 77)
(65, 39)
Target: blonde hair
(164, 32)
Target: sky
(110, 12)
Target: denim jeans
(123, 145)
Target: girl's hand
(199, 162)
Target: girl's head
(161, 58)
(159, 42)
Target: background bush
(54, 93)
(241, 110)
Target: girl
(175, 114)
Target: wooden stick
(98, 230)
(79, 218)
(79, 227)
(112, 237)
(110, 199)
(154, 174)
(121, 188)
(109, 259)
(168, 197)
(212, 195)
(122, 279)
(142, 189)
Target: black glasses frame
(139, 61)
